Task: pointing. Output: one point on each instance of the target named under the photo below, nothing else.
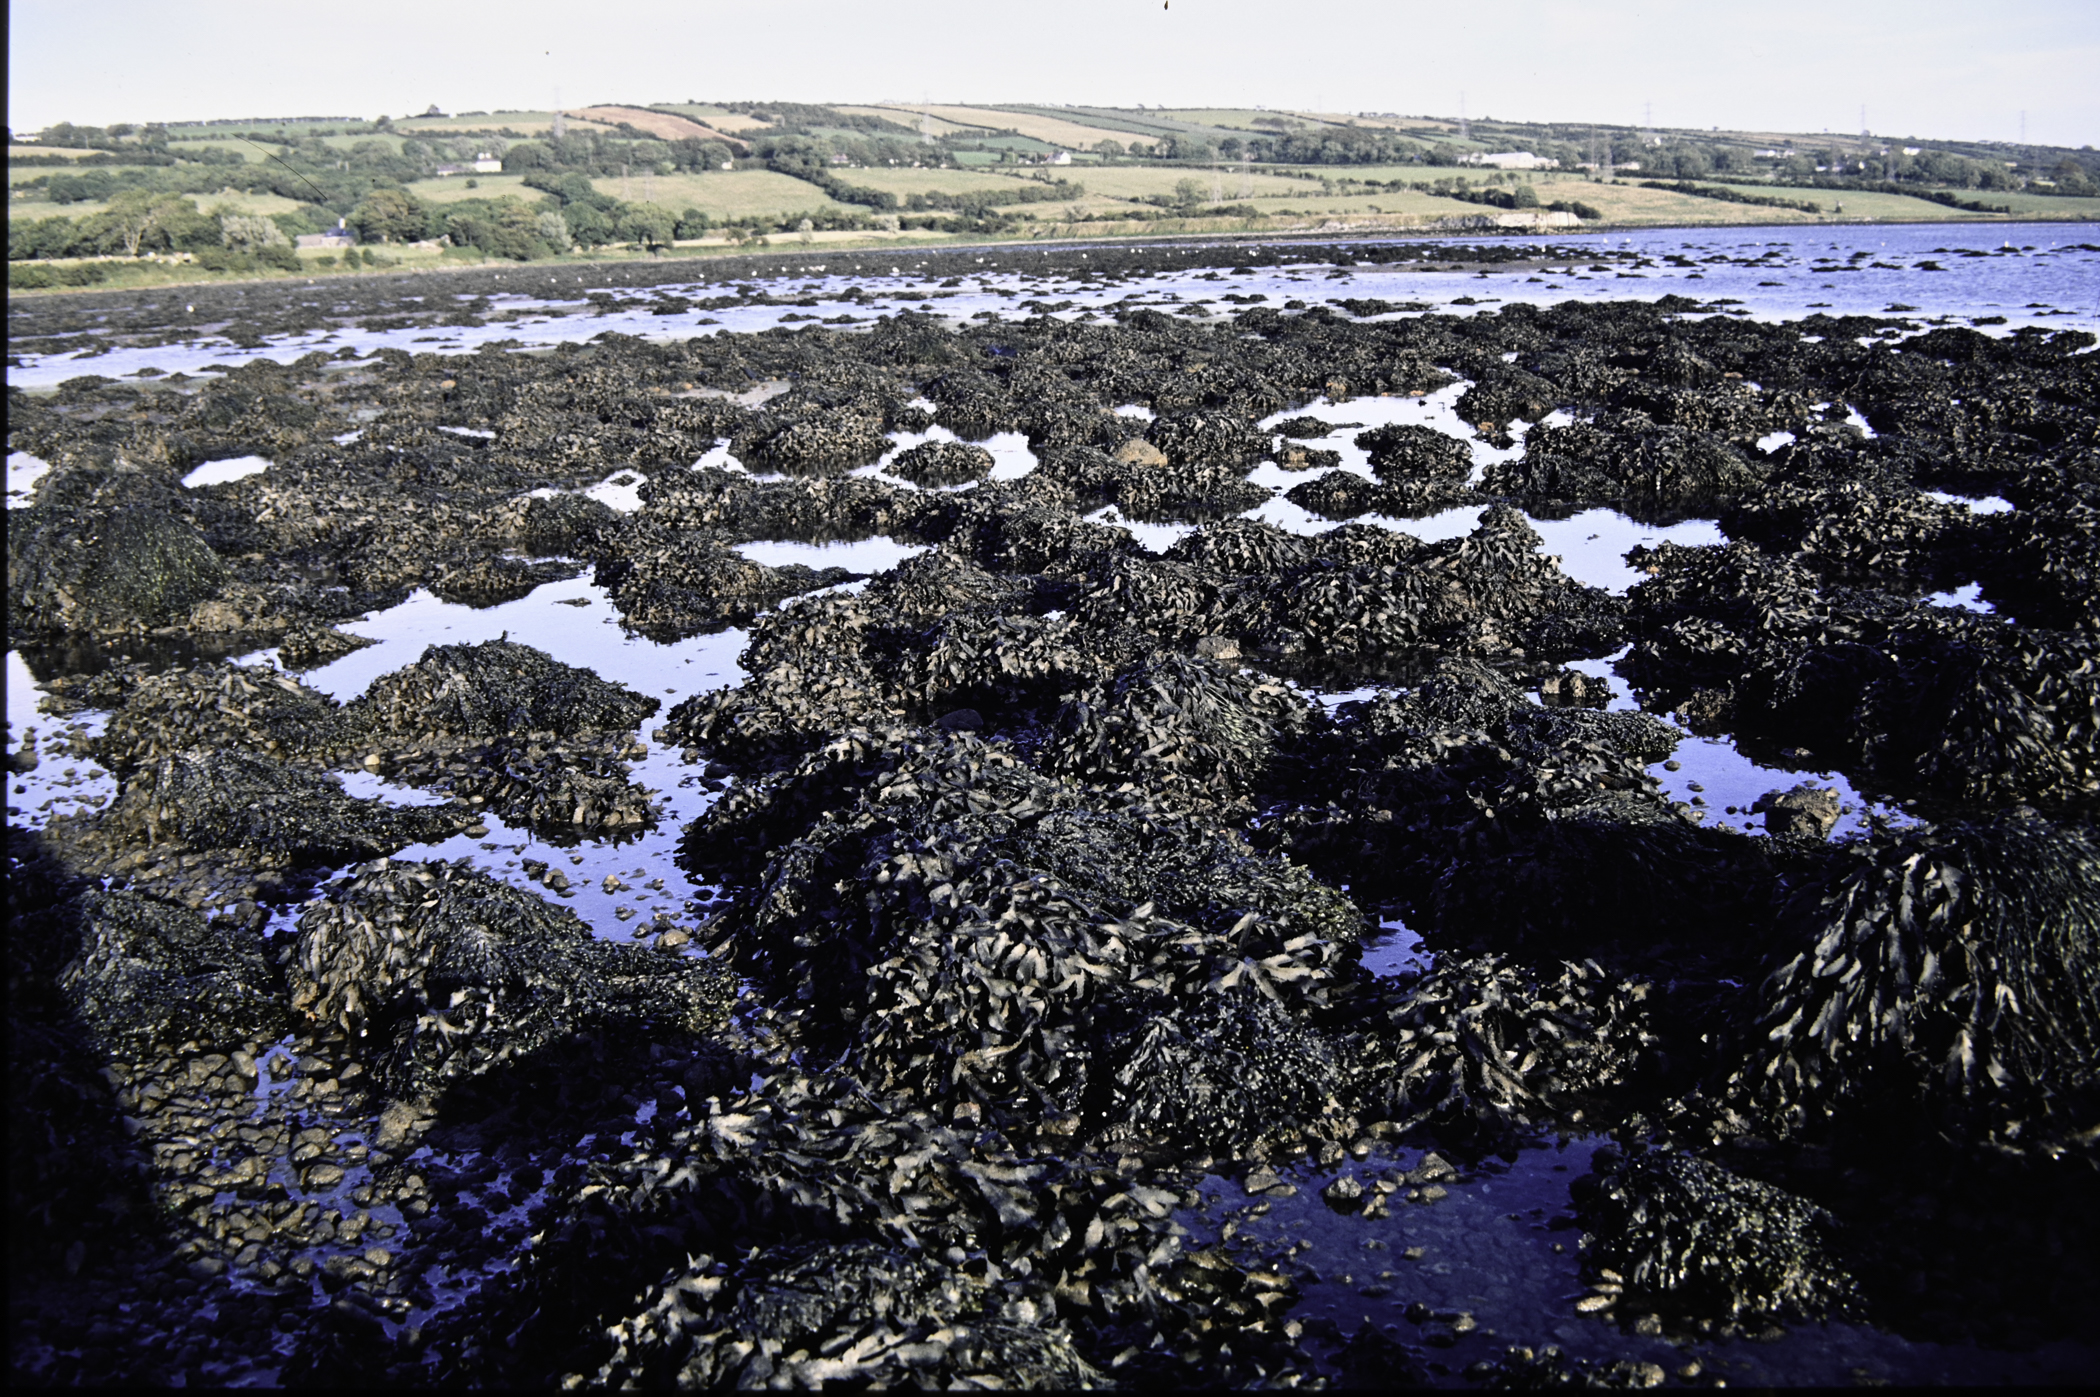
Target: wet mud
(1173, 837)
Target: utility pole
(1217, 184)
(560, 127)
(1465, 129)
(1648, 123)
(623, 182)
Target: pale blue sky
(1926, 67)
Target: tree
(1110, 149)
(139, 214)
(554, 231)
(1187, 193)
(390, 215)
(249, 232)
(648, 225)
(588, 224)
(693, 224)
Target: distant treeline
(1732, 196)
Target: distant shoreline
(1368, 232)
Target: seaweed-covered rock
(439, 971)
(1856, 530)
(1631, 463)
(489, 579)
(275, 814)
(564, 786)
(941, 463)
(222, 706)
(736, 507)
(310, 646)
(1026, 526)
(1482, 1044)
(493, 689)
(1337, 494)
(1380, 605)
(1241, 547)
(958, 878)
(1147, 485)
(129, 569)
(817, 1314)
(1959, 967)
(1306, 428)
(1223, 1069)
(565, 525)
(148, 976)
(676, 585)
(823, 443)
(1211, 438)
(1686, 1235)
(1408, 455)
(1919, 696)
(1179, 722)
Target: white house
(1512, 160)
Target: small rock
(960, 720)
(1218, 647)
(1344, 1195)
(1139, 452)
(1804, 810)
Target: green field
(450, 189)
(226, 198)
(69, 152)
(1054, 131)
(725, 194)
(530, 123)
(1148, 181)
(903, 182)
(721, 118)
(904, 117)
(1243, 118)
(23, 174)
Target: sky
(1927, 68)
